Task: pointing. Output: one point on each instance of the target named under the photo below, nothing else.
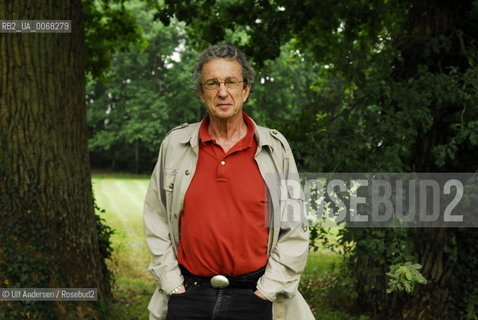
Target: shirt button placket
(221, 171)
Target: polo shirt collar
(262, 136)
(246, 142)
(203, 132)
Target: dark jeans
(207, 303)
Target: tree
(49, 236)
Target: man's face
(223, 102)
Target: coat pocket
(292, 207)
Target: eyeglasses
(214, 84)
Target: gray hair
(222, 51)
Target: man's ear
(246, 92)
(200, 96)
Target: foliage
(25, 263)
(282, 88)
(104, 244)
(348, 26)
(130, 113)
(404, 276)
(108, 24)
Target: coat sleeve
(288, 258)
(164, 265)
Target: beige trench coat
(288, 233)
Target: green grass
(121, 196)
(122, 199)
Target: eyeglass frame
(217, 84)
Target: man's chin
(225, 113)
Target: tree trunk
(48, 235)
(432, 300)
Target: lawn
(121, 196)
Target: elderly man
(218, 219)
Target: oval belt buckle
(219, 281)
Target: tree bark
(48, 235)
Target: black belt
(244, 281)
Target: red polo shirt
(223, 223)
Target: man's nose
(223, 90)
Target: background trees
(144, 94)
